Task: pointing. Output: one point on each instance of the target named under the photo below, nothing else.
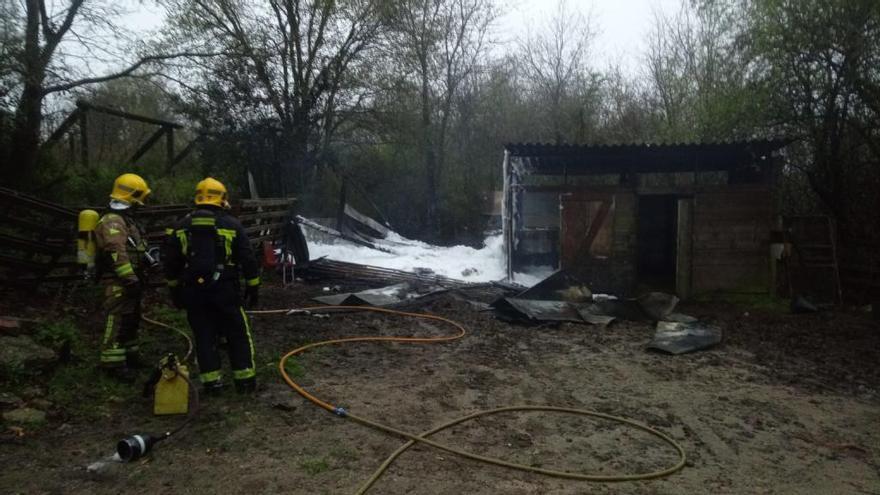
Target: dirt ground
(787, 404)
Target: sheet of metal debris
(586, 313)
(657, 305)
(678, 338)
(650, 307)
(384, 296)
(513, 309)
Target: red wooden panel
(587, 229)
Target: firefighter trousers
(213, 312)
(123, 316)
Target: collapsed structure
(682, 218)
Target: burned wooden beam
(144, 148)
(21, 199)
(335, 233)
(31, 246)
(183, 153)
(169, 146)
(126, 115)
(84, 138)
(63, 128)
(324, 269)
(268, 202)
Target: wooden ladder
(815, 242)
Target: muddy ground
(787, 404)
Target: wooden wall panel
(731, 237)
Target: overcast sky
(621, 24)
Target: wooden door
(587, 226)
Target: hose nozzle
(134, 447)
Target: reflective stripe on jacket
(233, 246)
(116, 253)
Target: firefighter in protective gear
(121, 249)
(204, 256)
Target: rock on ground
(25, 415)
(22, 353)
(8, 400)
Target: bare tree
(555, 64)
(699, 72)
(288, 62)
(440, 44)
(627, 113)
(50, 49)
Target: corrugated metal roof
(541, 149)
(573, 159)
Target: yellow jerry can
(172, 392)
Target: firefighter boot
(212, 389)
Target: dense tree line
(408, 103)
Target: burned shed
(684, 218)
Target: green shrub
(56, 334)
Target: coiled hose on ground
(412, 439)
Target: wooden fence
(829, 268)
(38, 238)
(860, 270)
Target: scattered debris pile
(398, 279)
(561, 298)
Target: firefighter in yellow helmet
(204, 256)
(121, 250)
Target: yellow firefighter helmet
(130, 189)
(211, 191)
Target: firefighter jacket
(208, 246)
(121, 246)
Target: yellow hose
(423, 437)
(189, 342)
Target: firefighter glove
(251, 296)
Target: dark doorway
(657, 238)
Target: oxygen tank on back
(85, 242)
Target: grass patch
(57, 334)
(157, 341)
(84, 391)
(62, 336)
(269, 368)
(79, 387)
(314, 465)
(344, 454)
(294, 368)
(169, 316)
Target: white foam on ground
(485, 264)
